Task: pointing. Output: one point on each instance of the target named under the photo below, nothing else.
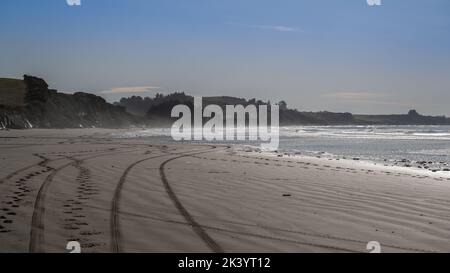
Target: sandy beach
(129, 195)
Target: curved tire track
(37, 222)
(114, 219)
(41, 163)
(198, 229)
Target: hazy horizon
(339, 56)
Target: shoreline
(418, 168)
(355, 162)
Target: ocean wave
(345, 132)
(369, 132)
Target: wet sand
(129, 195)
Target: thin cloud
(279, 28)
(131, 89)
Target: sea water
(424, 147)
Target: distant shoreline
(29, 103)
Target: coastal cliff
(29, 103)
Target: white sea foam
(356, 132)
(369, 132)
(403, 146)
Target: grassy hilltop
(12, 92)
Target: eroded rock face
(37, 89)
(46, 108)
(13, 119)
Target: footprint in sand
(90, 233)
(71, 228)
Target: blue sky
(337, 55)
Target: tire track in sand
(41, 163)
(198, 229)
(114, 219)
(37, 221)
